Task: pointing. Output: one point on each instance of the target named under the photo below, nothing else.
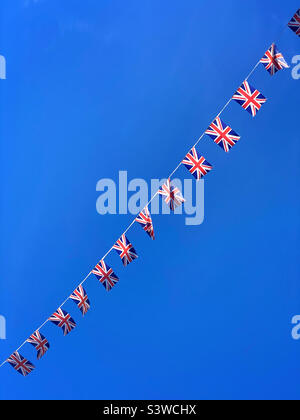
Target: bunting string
(251, 100)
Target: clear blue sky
(96, 87)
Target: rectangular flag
(196, 164)
(222, 134)
(40, 343)
(63, 320)
(145, 220)
(249, 98)
(80, 297)
(20, 364)
(273, 60)
(294, 23)
(173, 197)
(125, 250)
(105, 275)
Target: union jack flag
(273, 60)
(20, 364)
(196, 164)
(222, 134)
(145, 220)
(125, 250)
(105, 275)
(80, 297)
(249, 98)
(40, 343)
(62, 319)
(294, 23)
(172, 195)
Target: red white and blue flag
(125, 250)
(105, 275)
(173, 197)
(145, 220)
(196, 164)
(273, 60)
(63, 320)
(40, 343)
(20, 364)
(249, 98)
(222, 134)
(80, 297)
(294, 23)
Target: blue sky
(97, 87)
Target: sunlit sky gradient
(96, 87)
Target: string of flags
(251, 100)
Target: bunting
(224, 136)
